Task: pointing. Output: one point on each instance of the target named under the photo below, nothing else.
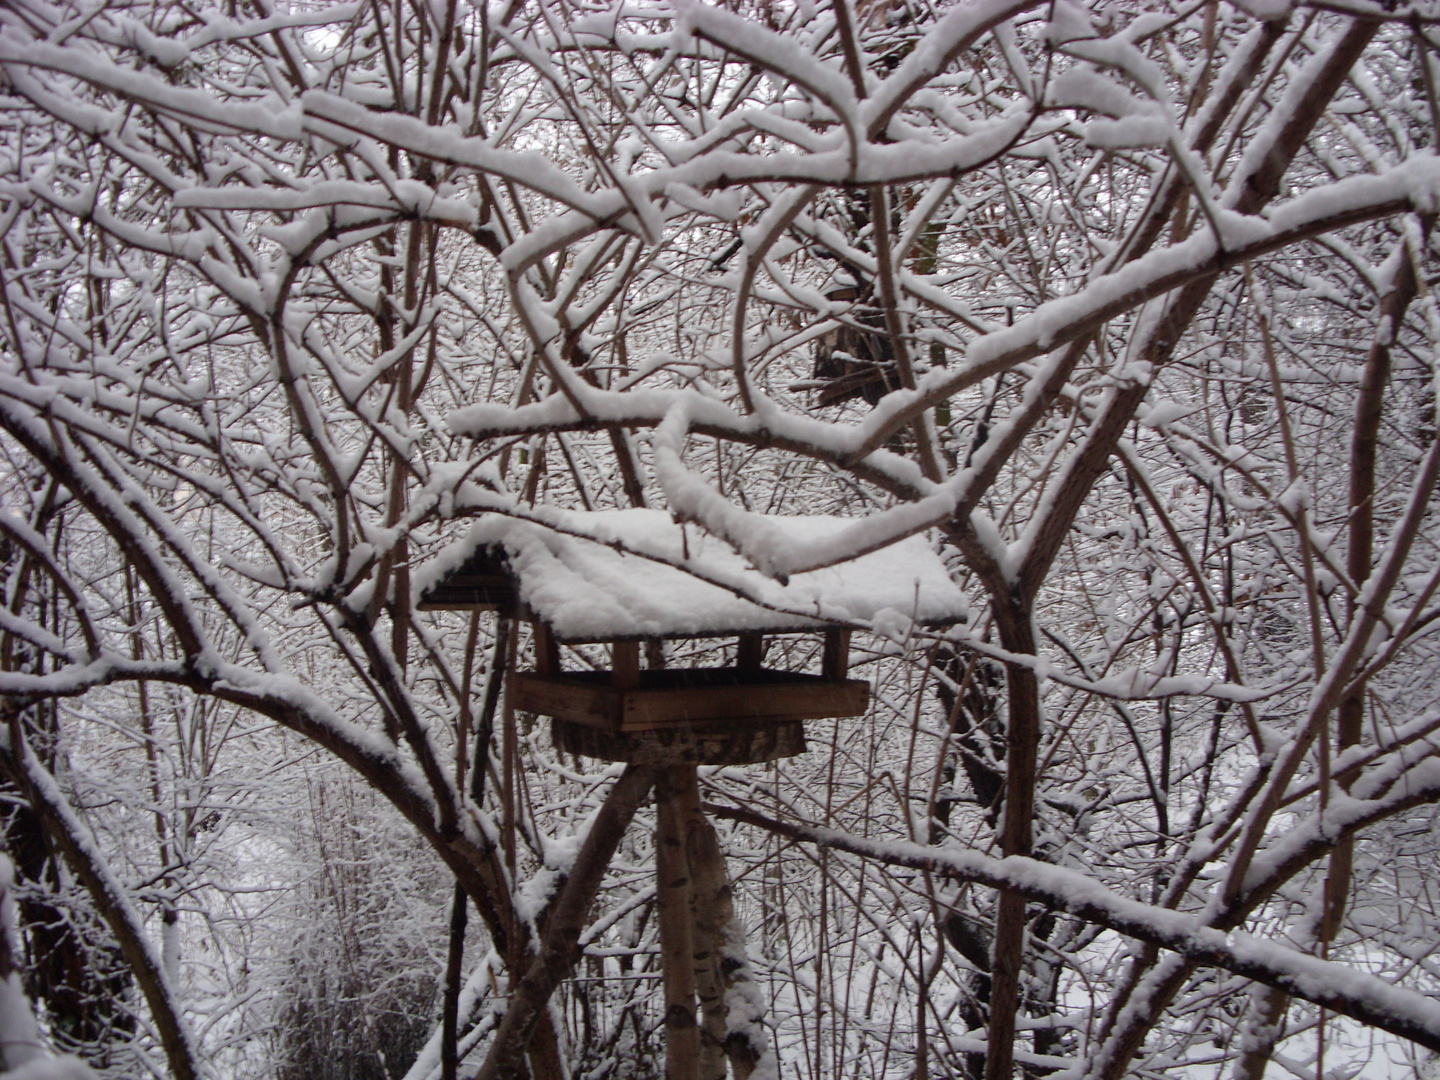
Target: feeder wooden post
(749, 653)
(672, 902)
(712, 912)
(625, 660)
(547, 650)
(835, 660)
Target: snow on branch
(1334, 986)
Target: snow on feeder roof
(616, 575)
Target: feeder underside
(671, 698)
(711, 742)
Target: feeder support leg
(672, 900)
(721, 967)
(835, 660)
(713, 913)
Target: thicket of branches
(1131, 310)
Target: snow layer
(637, 574)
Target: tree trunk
(1022, 740)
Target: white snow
(637, 574)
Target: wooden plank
(625, 662)
(584, 703)
(835, 660)
(750, 652)
(644, 709)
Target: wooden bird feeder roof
(630, 575)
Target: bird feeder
(628, 578)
